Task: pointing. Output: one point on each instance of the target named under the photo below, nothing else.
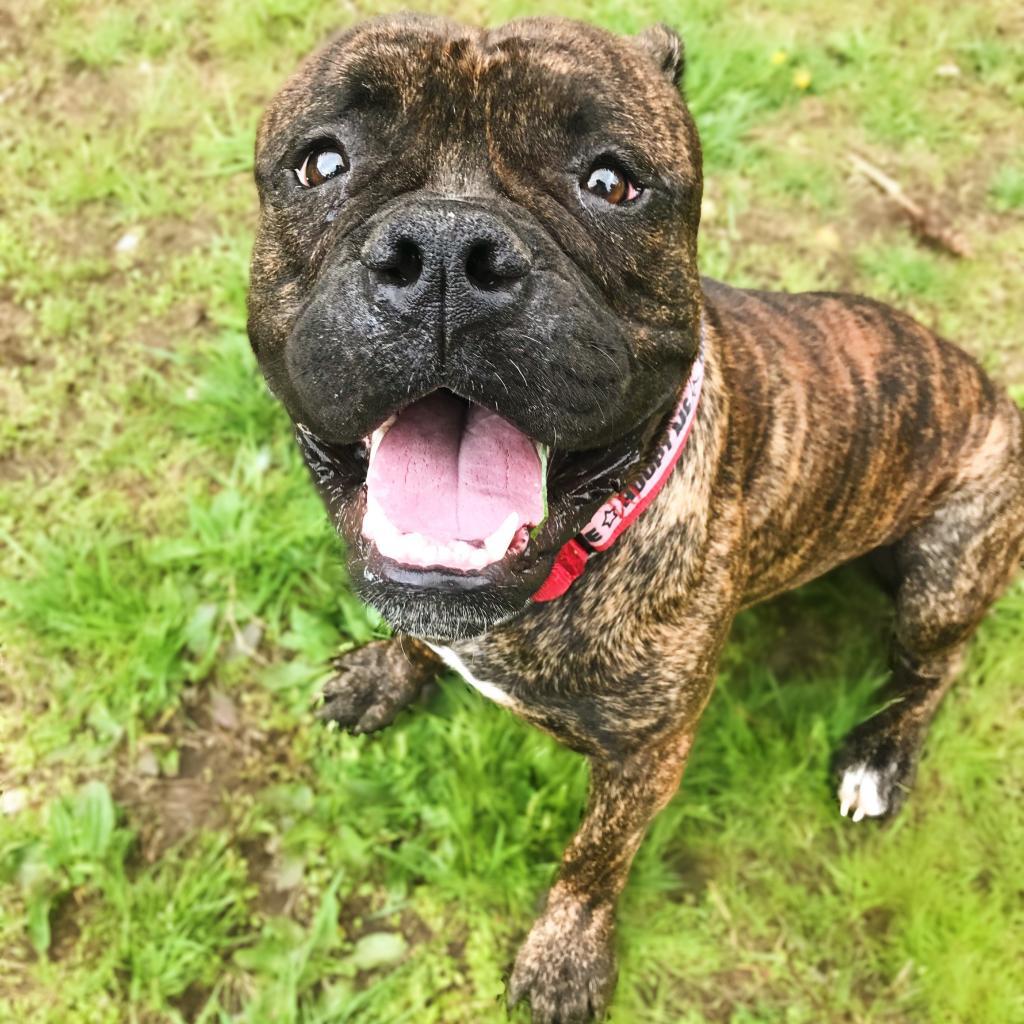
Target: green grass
(183, 842)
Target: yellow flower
(802, 78)
(779, 57)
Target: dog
(560, 459)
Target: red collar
(622, 509)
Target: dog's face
(474, 289)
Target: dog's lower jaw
(442, 618)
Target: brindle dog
(511, 215)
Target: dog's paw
(876, 765)
(371, 685)
(566, 967)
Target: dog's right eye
(324, 161)
(614, 186)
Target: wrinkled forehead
(518, 86)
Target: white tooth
(497, 543)
(378, 435)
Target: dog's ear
(665, 48)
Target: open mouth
(452, 485)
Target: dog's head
(474, 288)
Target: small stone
(828, 238)
(223, 710)
(13, 800)
(147, 764)
(247, 640)
(261, 460)
(378, 949)
(949, 70)
(288, 875)
(128, 242)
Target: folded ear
(666, 50)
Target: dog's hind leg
(950, 569)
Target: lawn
(181, 841)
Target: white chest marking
(489, 690)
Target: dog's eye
(324, 161)
(611, 185)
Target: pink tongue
(450, 484)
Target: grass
(180, 841)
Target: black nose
(446, 255)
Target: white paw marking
(489, 690)
(859, 792)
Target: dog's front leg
(566, 966)
(371, 684)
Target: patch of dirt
(953, 193)
(224, 759)
(18, 359)
(121, 256)
(953, 196)
(15, 29)
(83, 99)
(191, 1002)
(692, 871)
(26, 358)
(877, 921)
(181, 326)
(151, 244)
(361, 915)
(15, 329)
(271, 898)
(21, 361)
(753, 984)
(19, 957)
(1011, 369)
(64, 928)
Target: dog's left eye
(611, 185)
(323, 162)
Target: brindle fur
(830, 427)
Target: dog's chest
(584, 719)
(490, 690)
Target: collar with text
(622, 509)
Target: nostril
(480, 269)
(489, 270)
(403, 265)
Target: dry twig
(924, 222)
